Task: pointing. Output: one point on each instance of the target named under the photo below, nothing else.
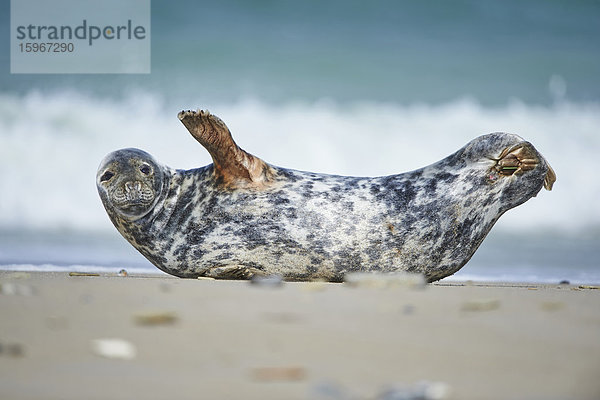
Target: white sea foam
(51, 145)
(78, 268)
(574, 278)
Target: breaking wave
(52, 143)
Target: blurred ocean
(344, 87)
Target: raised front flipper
(233, 167)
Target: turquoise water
(344, 87)
(348, 50)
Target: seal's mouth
(522, 157)
(133, 194)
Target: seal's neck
(160, 215)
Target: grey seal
(240, 217)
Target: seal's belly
(311, 226)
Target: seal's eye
(106, 176)
(145, 169)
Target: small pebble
(408, 309)
(328, 391)
(16, 289)
(551, 305)
(315, 286)
(385, 280)
(481, 305)
(267, 281)
(420, 391)
(56, 323)
(86, 298)
(282, 317)
(15, 350)
(114, 348)
(155, 319)
(165, 287)
(278, 374)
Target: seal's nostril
(132, 186)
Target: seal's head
(130, 183)
(510, 166)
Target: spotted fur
(307, 226)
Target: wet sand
(156, 337)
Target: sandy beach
(155, 337)
(356, 103)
